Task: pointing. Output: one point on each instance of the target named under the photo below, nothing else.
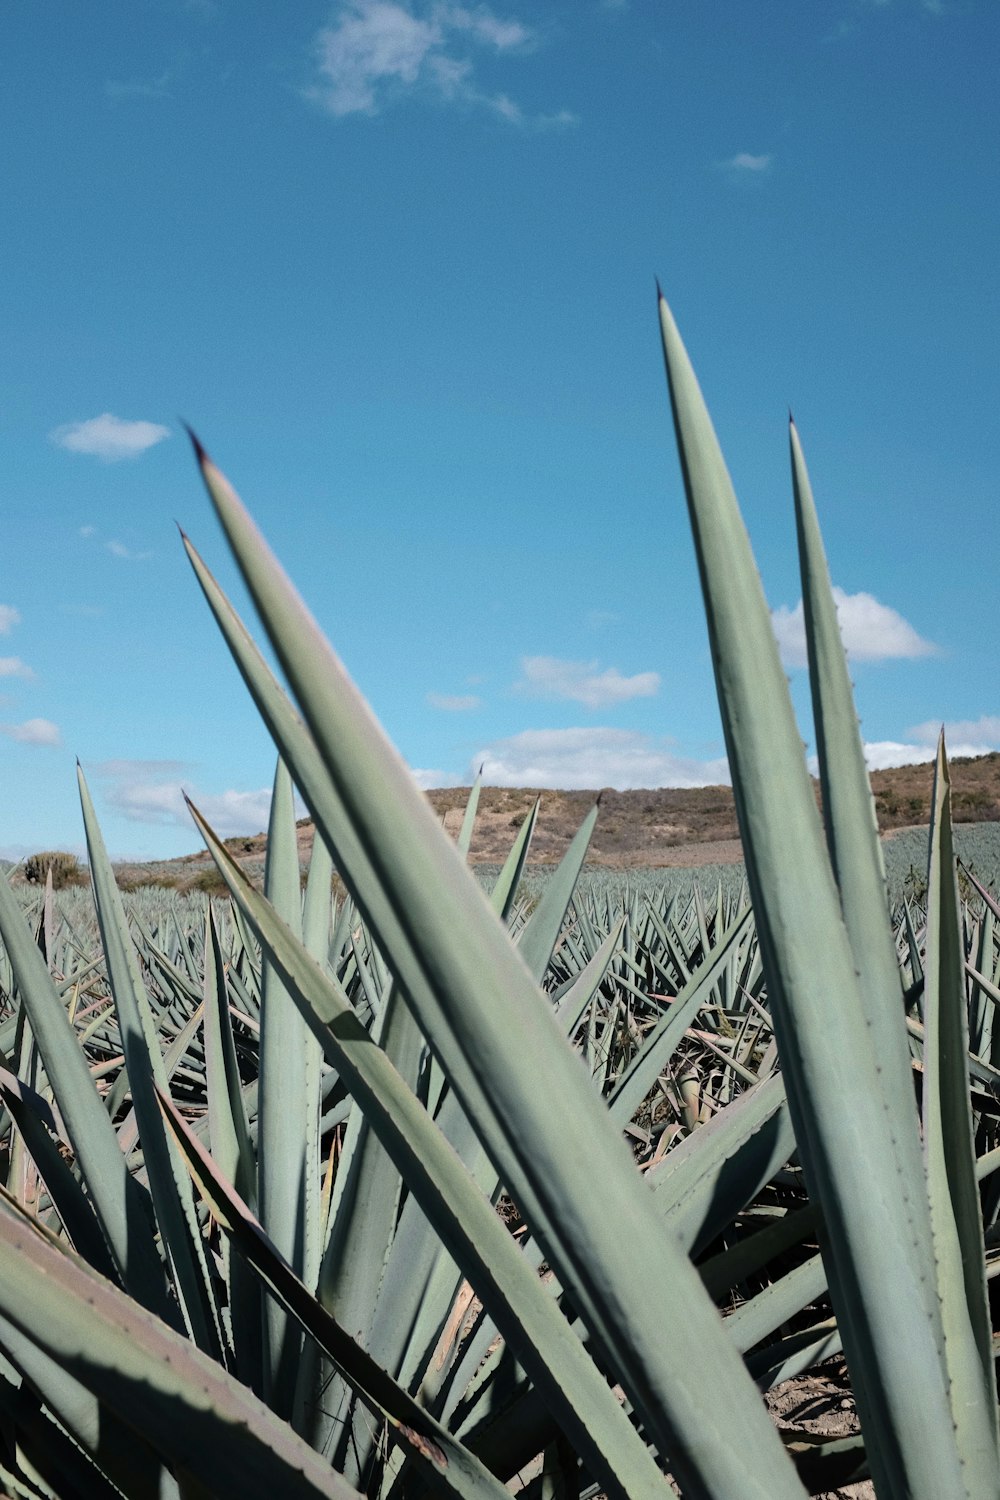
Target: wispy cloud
(585, 758)
(9, 617)
(582, 682)
(116, 547)
(109, 437)
(963, 737)
(427, 779)
(871, 631)
(137, 770)
(745, 164)
(152, 791)
(376, 51)
(33, 732)
(983, 732)
(13, 666)
(454, 703)
(119, 549)
(152, 88)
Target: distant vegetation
(65, 869)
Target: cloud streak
(9, 617)
(584, 758)
(13, 666)
(377, 51)
(119, 549)
(454, 703)
(964, 738)
(33, 732)
(870, 631)
(745, 164)
(581, 682)
(108, 437)
(152, 791)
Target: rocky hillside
(662, 827)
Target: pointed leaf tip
(196, 443)
(659, 289)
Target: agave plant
(263, 1167)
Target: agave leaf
(173, 1056)
(733, 1265)
(443, 1460)
(845, 1135)
(542, 932)
(105, 1444)
(505, 890)
(500, 1045)
(288, 1111)
(778, 1303)
(120, 1204)
(171, 1190)
(573, 1001)
(232, 1149)
(365, 1220)
(951, 1170)
(704, 1182)
(464, 841)
(659, 1046)
(34, 1121)
(465, 1220)
(199, 1418)
(852, 838)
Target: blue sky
(394, 260)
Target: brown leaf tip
(424, 1445)
(196, 443)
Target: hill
(666, 827)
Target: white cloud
(13, 666)
(33, 732)
(152, 791)
(9, 617)
(426, 780)
(109, 437)
(151, 88)
(143, 770)
(454, 703)
(983, 732)
(119, 549)
(377, 50)
(591, 758)
(964, 738)
(871, 631)
(745, 163)
(883, 755)
(581, 682)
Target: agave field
(428, 1188)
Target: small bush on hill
(65, 868)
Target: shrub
(65, 868)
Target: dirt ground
(820, 1404)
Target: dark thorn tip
(196, 443)
(659, 289)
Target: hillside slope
(664, 827)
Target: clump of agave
(249, 1238)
